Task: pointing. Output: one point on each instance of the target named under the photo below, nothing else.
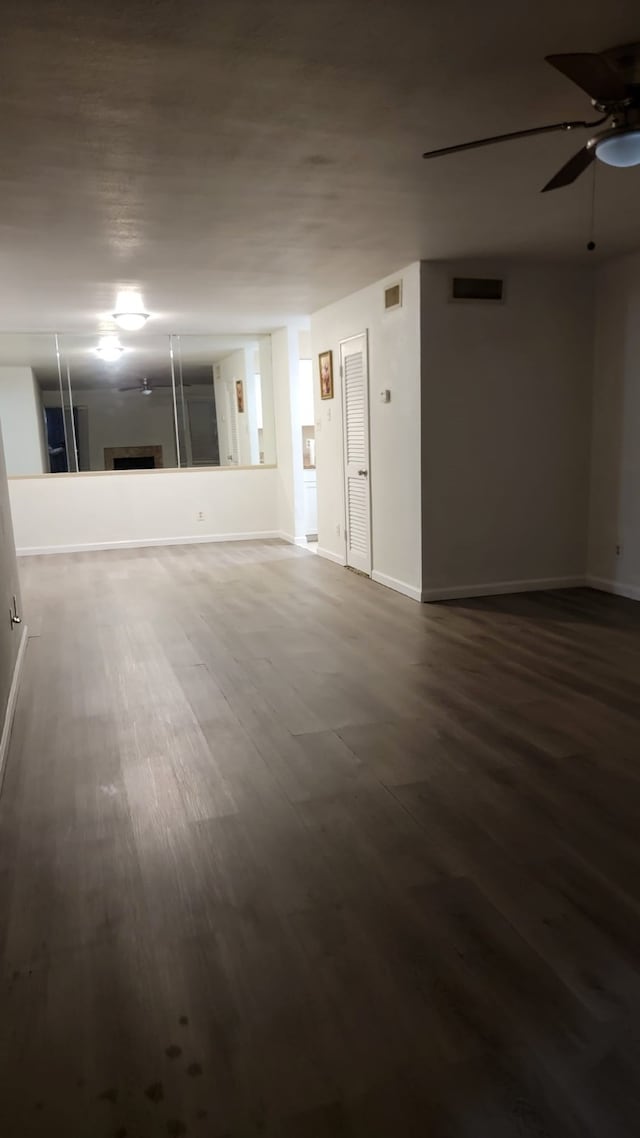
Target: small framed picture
(240, 395)
(325, 360)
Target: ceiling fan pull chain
(591, 243)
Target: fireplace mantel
(111, 454)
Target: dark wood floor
(285, 853)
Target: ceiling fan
(612, 80)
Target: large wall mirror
(76, 403)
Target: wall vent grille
(393, 296)
(477, 288)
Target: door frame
(347, 340)
(230, 414)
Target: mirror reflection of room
(224, 400)
(113, 403)
(118, 397)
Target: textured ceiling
(244, 161)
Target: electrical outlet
(200, 516)
(619, 550)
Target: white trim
(496, 588)
(338, 558)
(141, 543)
(300, 540)
(5, 737)
(399, 586)
(618, 588)
(157, 470)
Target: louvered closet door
(355, 400)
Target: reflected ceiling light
(109, 349)
(130, 313)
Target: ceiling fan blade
(593, 73)
(572, 169)
(505, 138)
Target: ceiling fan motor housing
(619, 144)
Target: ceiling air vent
(477, 288)
(393, 296)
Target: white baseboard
(399, 586)
(142, 543)
(618, 588)
(496, 588)
(11, 704)
(338, 558)
(300, 540)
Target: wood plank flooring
(283, 853)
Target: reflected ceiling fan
(144, 387)
(612, 79)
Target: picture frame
(325, 365)
(240, 396)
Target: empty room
(320, 570)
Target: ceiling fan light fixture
(109, 349)
(129, 313)
(620, 149)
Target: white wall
(43, 445)
(394, 363)
(23, 424)
(268, 412)
(10, 635)
(285, 346)
(88, 511)
(615, 467)
(307, 401)
(506, 424)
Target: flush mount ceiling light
(130, 314)
(109, 349)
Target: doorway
(232, 442)
(59, 436)
(307, 422)
(354, 370)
